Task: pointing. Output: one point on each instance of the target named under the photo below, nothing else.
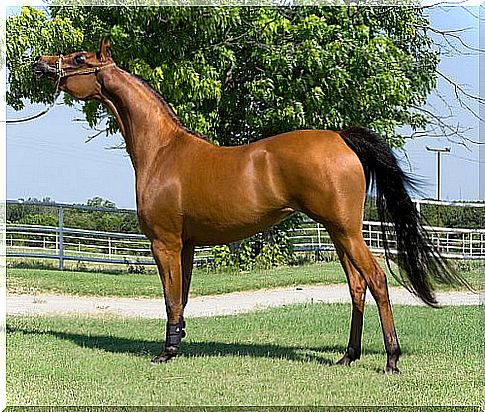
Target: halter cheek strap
(60, 72)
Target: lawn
(281, 356)
(204, 282)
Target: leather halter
(61, 73)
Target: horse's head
(76, 73)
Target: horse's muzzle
(42, 69)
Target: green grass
(204, 282)
(282, 356)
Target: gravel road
(227, 304)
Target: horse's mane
(167, 106)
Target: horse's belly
(211, 231)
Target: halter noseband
(60, 72)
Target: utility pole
(438, 152)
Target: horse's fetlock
(353, 353)
(174, 335)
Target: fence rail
(65, 244)
(68, 244)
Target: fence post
(61, 239)
(319, 237)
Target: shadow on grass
(139, 347)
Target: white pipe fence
(64, 244)
(452, 242)
(67, 244)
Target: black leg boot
(174, 334)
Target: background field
(205, 282)
(282, 356)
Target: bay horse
(190, 192)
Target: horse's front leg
(168, 255)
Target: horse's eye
(79, 59)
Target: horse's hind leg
(357, 286)
(362, 259)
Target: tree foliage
(237, 74)
(453, 216)
(440, 215)
(45, 213)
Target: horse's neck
(144, 120)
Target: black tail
(420, 262)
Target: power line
(467, 159)
(78, 154)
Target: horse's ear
(105, 49)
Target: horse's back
(269, 171)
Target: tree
(237, 74)
(101, 203)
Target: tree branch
(93, 136)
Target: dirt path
(231, 303)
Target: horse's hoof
(163, 357)
(393, 370)
(346, 361)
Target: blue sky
(48, 157)
(460, 169)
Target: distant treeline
(39, 212)
(441, 215)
